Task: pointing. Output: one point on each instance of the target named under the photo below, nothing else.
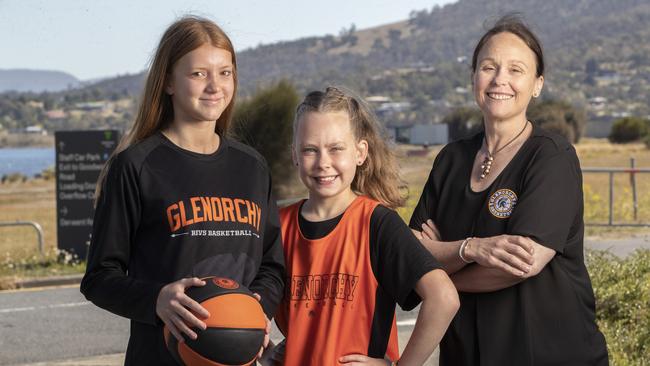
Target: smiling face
(201, 84)
(505, 78)
(327, 154)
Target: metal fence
(632, 171)
(35, 225)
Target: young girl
(180, 201)
(349, 257)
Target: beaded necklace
(487, 162)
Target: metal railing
(632, 171)
(35, 225)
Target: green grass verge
(54, 263)
(622, 290)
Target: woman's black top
(548, 319)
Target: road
(57, 326)
(54, 324)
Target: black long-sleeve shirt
(166, 213)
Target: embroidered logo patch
(502, 202)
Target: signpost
(80, 156)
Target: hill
(590, 44)
(597, 53)
(24, 80)
(594, 48)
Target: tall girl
(349, 256)
(180, 201)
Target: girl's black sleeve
(107, 282)
(269, 282)
(398, 259)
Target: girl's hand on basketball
(510, 253)
(354, 360)
(178, 310)
(267, 331)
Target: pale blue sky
(92, 39)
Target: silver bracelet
(461, 250)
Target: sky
(95, 39)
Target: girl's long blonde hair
(156, 111)
(378, 177)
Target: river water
(28, 161)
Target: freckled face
(201, 84)
(505, 78)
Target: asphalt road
(57, 326)
(54, 324)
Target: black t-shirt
(166, 213)
(388, 236)
(548, 319)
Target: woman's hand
(430, 231)
(445, 252)
(178, 311)
(510, 253)
(354, 360)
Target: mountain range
(594, 49)
(25, 80)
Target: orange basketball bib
(329, 303)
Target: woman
(180, 201)
(502, 211)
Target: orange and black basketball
(235, 328)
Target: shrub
(265, 122)
(622, 289)
(561, 128)
(556, 116)
(628, 129)
(464, 122)
(47, 173)
(559, 117)
(13, 178)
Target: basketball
(235, 329)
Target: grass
(34, 200)
(592, 153)
(53, 263)
(30, 201)
(622, 290)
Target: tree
(559, 117)
(464, 122)
(418, 18)
(345, 32)
(394, 36)
(265, 122)
(629, 129)
(378, 45)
